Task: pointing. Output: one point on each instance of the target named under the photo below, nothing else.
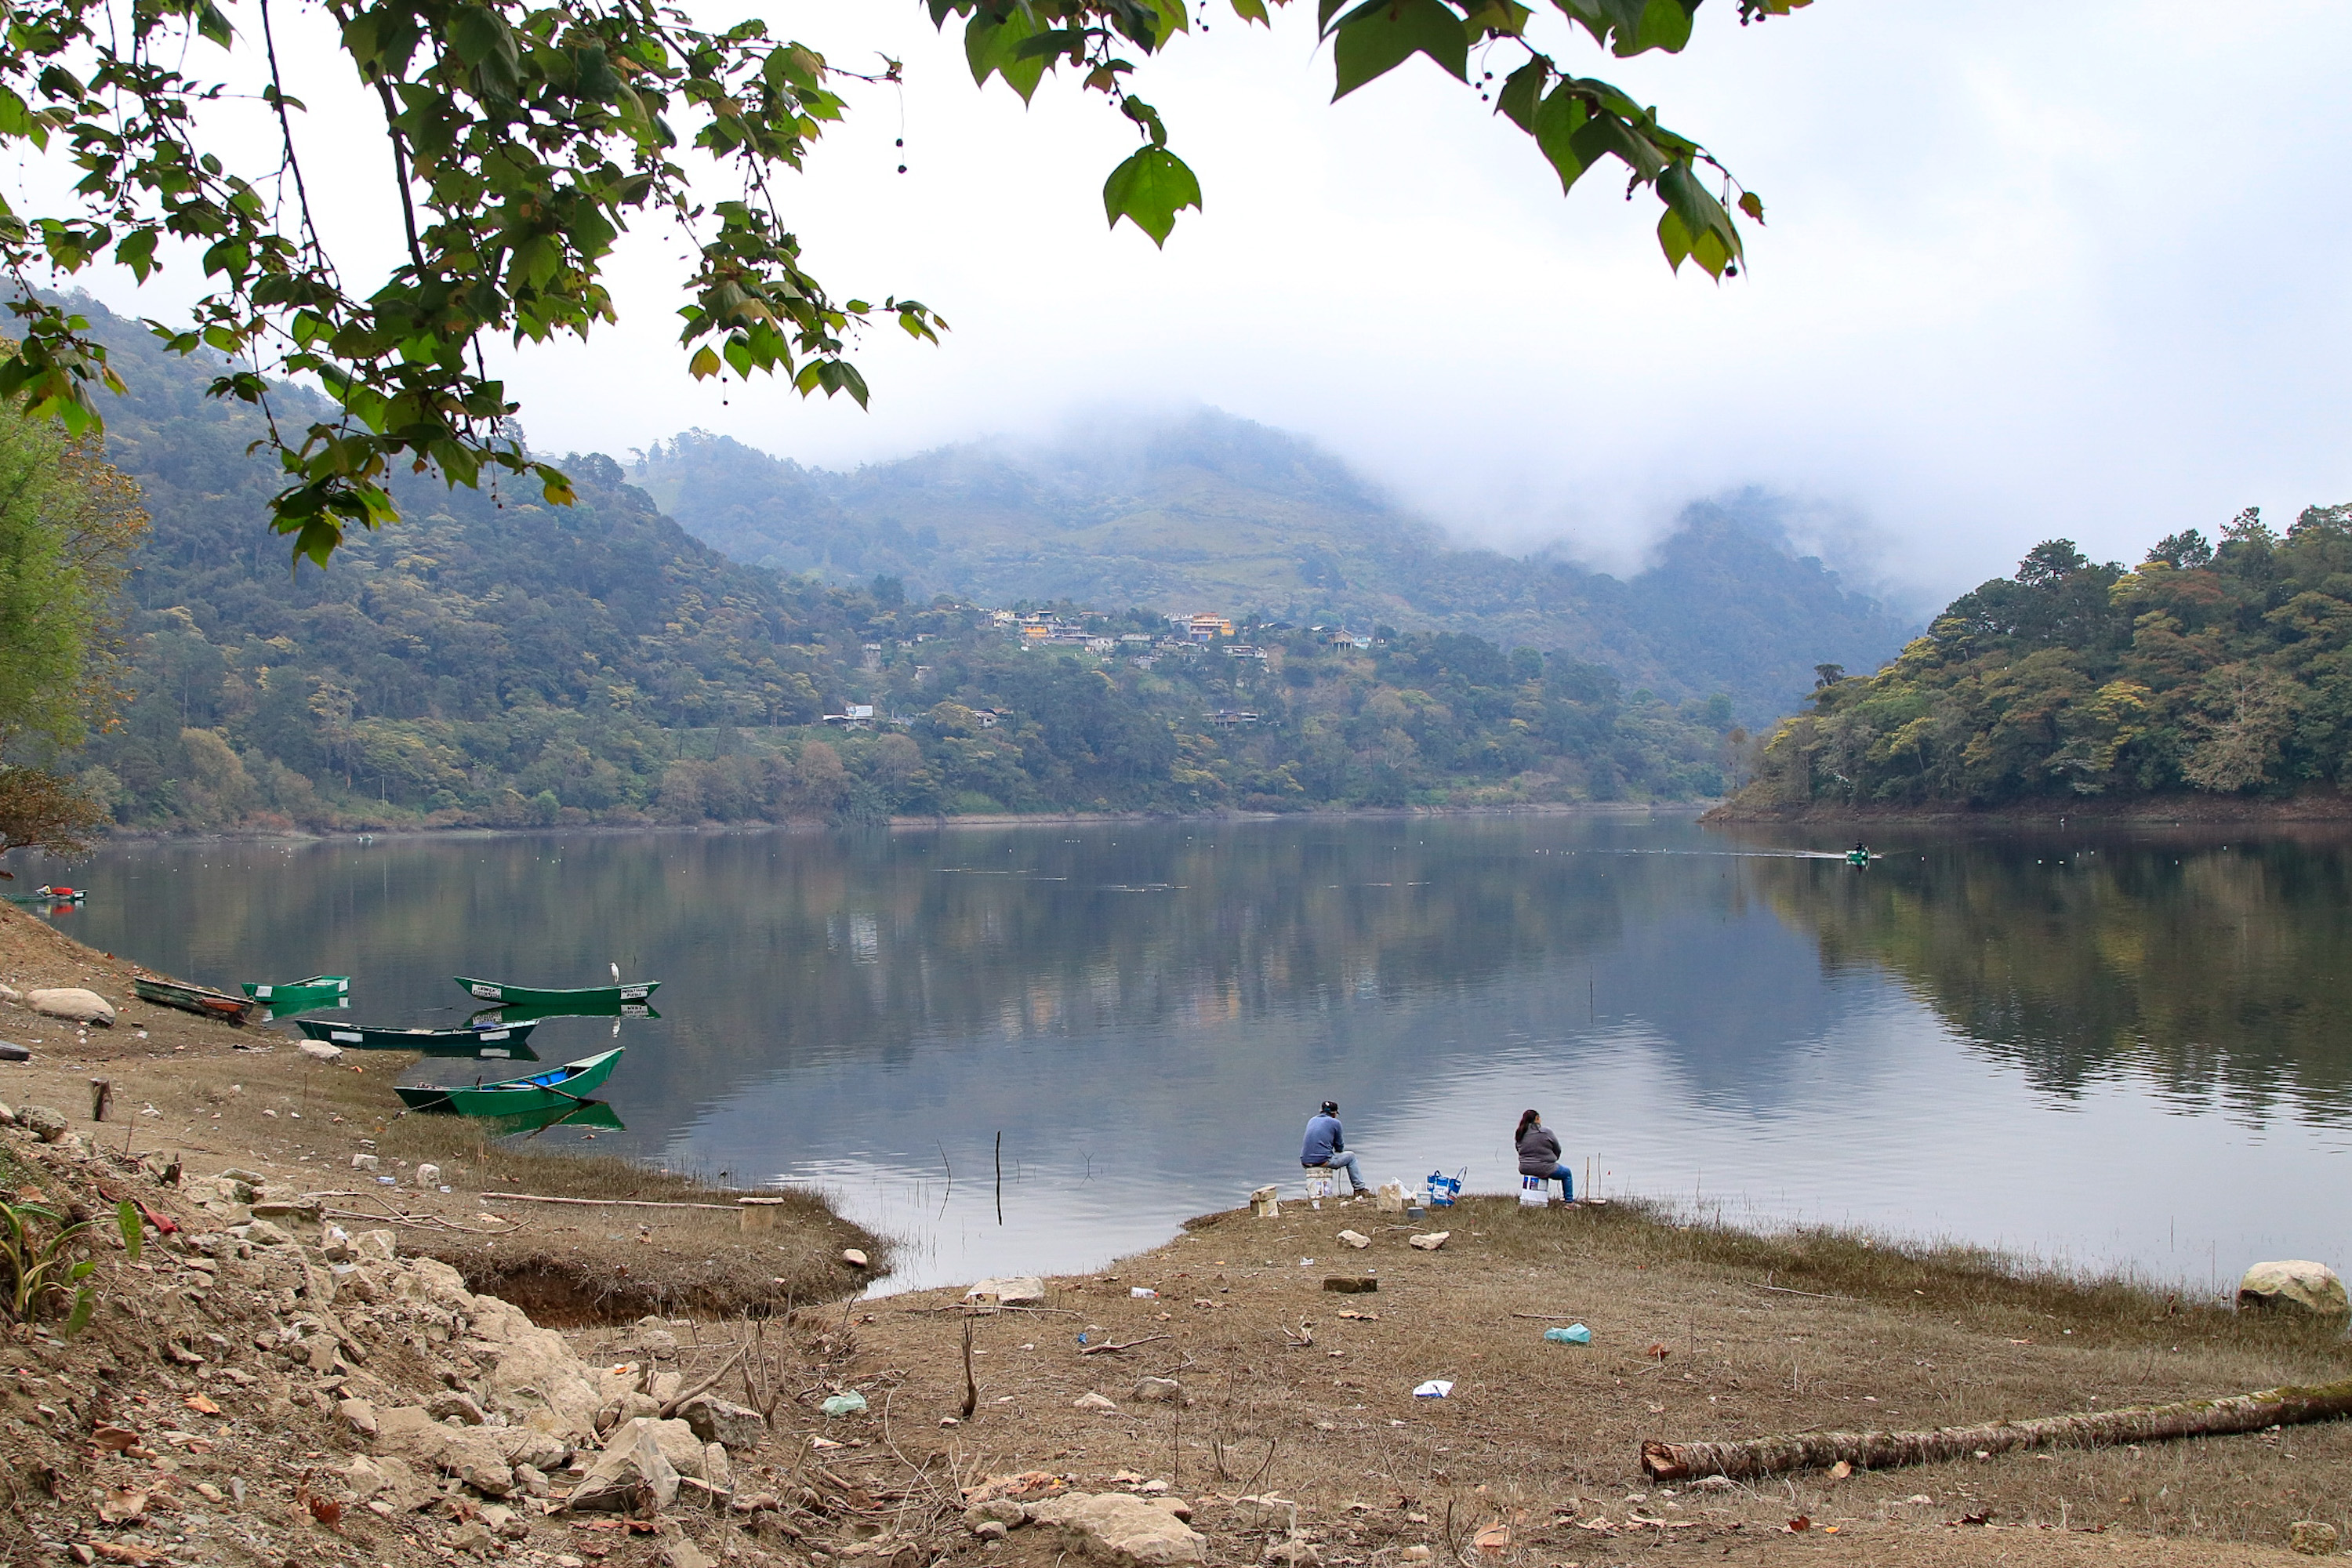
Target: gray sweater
(1539, 1151)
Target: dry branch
(606, 1202)
(2284, 1406)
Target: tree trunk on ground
(2285, 1406)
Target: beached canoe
(568, 1085)
(505, 995)
(198, 999)
(319, 991)
(46, 895)
(511, 1040)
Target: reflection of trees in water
(883, 939)
(2214, 973)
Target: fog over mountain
(1206, 511)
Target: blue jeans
(1345, 1161)
(1561, 1174)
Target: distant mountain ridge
(1212, 511)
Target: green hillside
(2207, 671)
(490, 660)
(1214, 512)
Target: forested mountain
(2224, 671)
(1214, 512)
(492, 660)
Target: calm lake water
(2103, 1049)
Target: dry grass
(1687, 1344)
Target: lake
(2106, 1049)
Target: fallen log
(2284, 1406)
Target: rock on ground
(1127, 1531)
(71, 1002)
(2294, 1285)
(629, 1473)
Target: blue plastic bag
(1574, 1334)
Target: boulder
(1159, 1390)
(2295, 1285)
(1024, 1290)
(1127, 1531)
(718, 1470)
(2313, 1538)
(44, 1123)
(73, 1002)
(1092, 1400)
(630, 1475)
(359, 1415)
(450, 1403)
(1429, 1243)
(264, 1233)
(734, 1426)
(540, 1381)
(1355, 1238)
(678, 1445)
(393, 1479)
(319, 1050)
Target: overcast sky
(2031, 270)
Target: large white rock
(72, 1002)
(1113, 1528)
(2294, 1285)
(630, 1473)
(1026, 1291)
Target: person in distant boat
(1539, 1154)
(1326, 1147)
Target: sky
(2030, 271)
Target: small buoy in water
(853, 1257)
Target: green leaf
(1253, 11)
(135, 1233)
(85, 1304)
(1752, 205)
(1557, 122)
(993, 47)
(1379, 36)
(1149, 189)
(1518, 100)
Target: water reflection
(1147, 1013)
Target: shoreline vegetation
(2208, 683)
(1282, 1390)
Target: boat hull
(299, 996)
(198, 999)
(504, 995)
(509, 1042)
(569, 1085)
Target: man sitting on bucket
(1327, 1150)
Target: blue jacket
(1323, 1141)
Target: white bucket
(1531, 1193)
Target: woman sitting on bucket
(1539, 1154)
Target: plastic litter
(850, 1404)
(1574, 1334)
(1143, 1293)
(1435, 1388)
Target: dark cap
(1330, 1107)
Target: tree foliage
(533, 665)
(525, 137)
(2223, 669)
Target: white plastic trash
(1435, 1388)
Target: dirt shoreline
(1293, 1435)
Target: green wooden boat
(504, 995)
(511, 1040)
(198, 999)
(319, 991)
(570, 1084)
